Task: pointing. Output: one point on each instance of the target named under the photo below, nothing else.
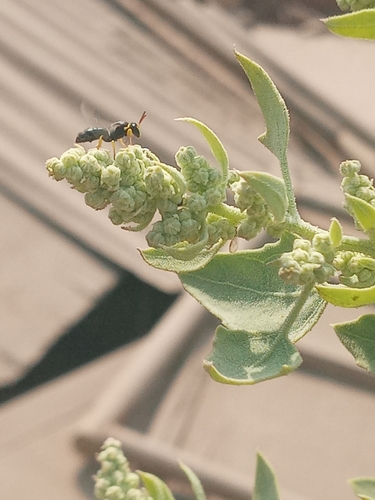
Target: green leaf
(196, 485)
(343, 296)
(258, 311)
(246, 358)
(156, 488)
(265, 481)
(363, 211)
(335, 232)
(363, 487)
(159, 259)
(358, 337)
(216, 146)
(360, 24)
(242, 288)
(272, 190)
(273, 107)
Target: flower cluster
(115, 480)
(134, 184)
(355, 184)
(253, 205)
(356, 269)
(308, 262)
(190, 200)
(355, 4)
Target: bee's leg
(123, 143)
(114, 148)
(100, 142)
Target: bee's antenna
(142, 117)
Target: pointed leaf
(196, 485)
(215, 144)
(242, 288)
(363, 212)
(358, 337)
(156, 488)
(272, 105)
(240, 357)
(272, 190)
(266, 487)
(363, 487)
(344, 296)
(360, 24)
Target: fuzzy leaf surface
(257, 311)
(265, 481)
(246, 358)
(358, 337)
(194, 481)
(360, 24)
(215, 144)
(363, 211)
(271, 189)
(272, 105)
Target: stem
(232, 214)
(291, 318)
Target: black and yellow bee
(115, 132)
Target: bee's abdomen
(93, 134)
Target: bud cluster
(356, 269)
(355, 184)
(190, 201)
(253, 205)
(354, 5)
(308, 262)
(115, 480)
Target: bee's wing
(92, 116)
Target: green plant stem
(291, 318)
(308, 231)
(232, 214)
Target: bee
(115, 132)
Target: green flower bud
(322, 243)
(103, 156)
(135, 494)
(98, 199)
(220, 229)
(115, 493)
(171, 224)
(196, 203)
(355, 5)
(349, 168)
(214, 196)
(56, 168)
(248, 229)
(72, 156)
(110, 177)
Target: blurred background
(76, 300)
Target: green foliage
(291, 278)
(266, 487)
(241, 289)
(358, 337)
(364, 487)
(360, 24)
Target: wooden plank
(36, 441)
(46, 284)
(298, 422)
